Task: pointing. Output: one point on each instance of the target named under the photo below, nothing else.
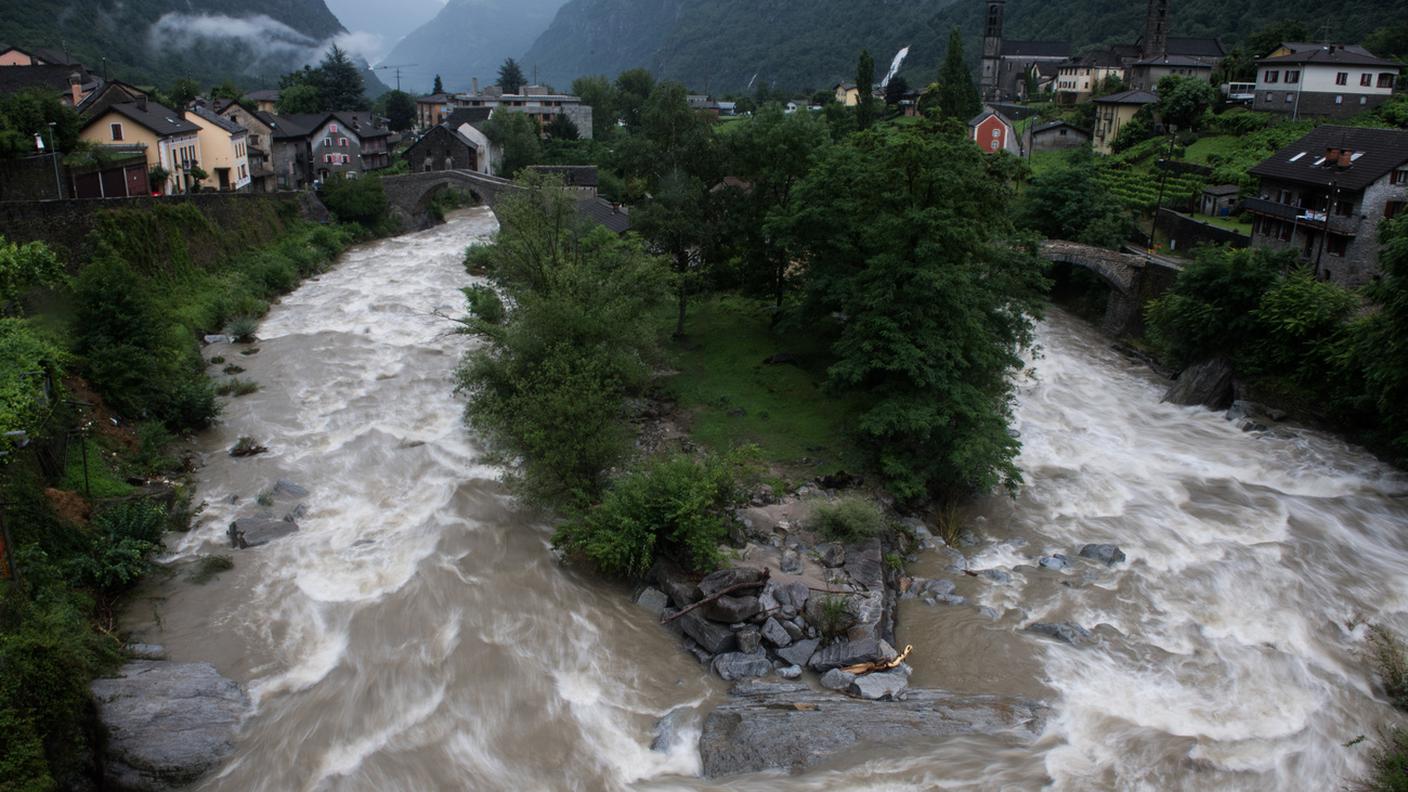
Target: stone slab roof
(1374, 152)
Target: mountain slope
(801, 44)
(156, 41)
(470, 38)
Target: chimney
(75, 88)
(1332, 155)
(1346, 158)
(142, 103)
(474, 86)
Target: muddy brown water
(416, 633)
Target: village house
(259, 144)
(224, 149)
(36, 56)
(1082, 77)
(266, 101)
(444, 148)
(580, 180)
(535, 101)
(289, 150)
(1113, 112)
(1056, 135)
(470, 123)
(432, 110)
(170, 141)
(993, 132)
(1325, 195)
(343, 143)
(1328, 80)
(1218, 200)
(1144, 75)
(1006, 66)
(846, 94)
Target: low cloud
(271, 44)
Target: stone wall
(1185, 234)
(31, 178)
(65, 225)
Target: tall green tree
(865, 85)
(927, 292)
(633, 88)
(599, 94)
(182, 92)
(339, 82)
(439, 86)
(1068, 201)
(956, 94)
(399, 109)
(516, 136)
(299, 98)
(1382, 340)
(511, 78)
(1184, 100)
(30, 112)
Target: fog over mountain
(387, 22)
(470, 38)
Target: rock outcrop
(167, 723)
(1208, 384)
(789, 726)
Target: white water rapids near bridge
(416, 633)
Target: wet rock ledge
(789, 726)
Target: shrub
(848, 519)
(1388, 765)
(834, 616)
(236, 387)
(674, 508)
(24, 358)
(361, 201)
(242, 329)
(1212, 305)
(484, 304)
(1390, 662)
(122, 541)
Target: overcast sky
(388, 20)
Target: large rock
(865, 563)
(737, 665)
(1065, 632)
(167, 723)
(1208, 384)
(1106, 554)
(880, 686)
(800, 652)
(653, 600)
(731, 609)
(715, 638)
(774, 633)
(845, 653)
(667, 729)
(677, 585)
(787, 725)
(714, 582)
(255, 531)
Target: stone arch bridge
(410, 194)
(1133, 278)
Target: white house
(1333, 80)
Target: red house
(993, 133)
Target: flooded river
(416, 634)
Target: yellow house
(224, 148)
(847, 94)
(171, 141)
(1113, 112)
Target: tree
(773, 152)
(926, 293)
(562, 128)
(511, 78)
(24, 267)
(1382, 339)
(182, 92)
(633, 88)
(1389, 41)
(598, 93)
(1261, 43)
(1136, 130)
(865, 85)
(895, 90)
(28, 113)
(361, 201)
(339, 82)
(547, 387)
(227, 90)
(956, 95)
(439, 87)
(1183, 101)
(301, 98)
(399, 109)
(1068, 202)
(516, 136)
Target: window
(1268, 96)
(1342, 78)
(1283, 230)
(1366, 79)
(332, 128)
(1339, 100)
(1293, 76)
(327, 141)
(1385, 80)
(342, 142)
(117, 131)
(1399, 176)
(1271, 76)
(1363, 100)
(1392, 208)
(1290, 97)
(1335, 244)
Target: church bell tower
(1155, 42)
(989, 82)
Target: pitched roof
(14, 79)
(50, 56)
(1036, 49)
(1183, 61)
(978, 119)
(267, 95)
(467, 115)
(1058, 123)
(440, 98)
(1129, 97)
(1195, 47)
(158, 118)
(362, 123)
(1104, 57)
(218, 120)
(1223, 189)
(1348, 54)
(290, 127)
(572, 175)
(1375, 153)
(615, 217)
(444, 130)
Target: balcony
(1346, 226)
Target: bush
(1390, 663)
(24, 358)
(1389, 765)
(361, 201)
(1211, 307)
(236, 387)
(123, 538)
(676, 508)
(848, 519)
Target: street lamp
(54, 146)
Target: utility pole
(1330, 199)
(54, 153)
(398, 67)
(1158, 202)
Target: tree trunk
(682, 267)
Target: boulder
(714, 582)
(788, 726)
(996, 575)
(167, 723)
(667, 729)
(774, 633)
(714, 638)
(653, 600)
(749, 640)
(1056, 561)
(738, 665)
(831, 554)
(290, 489)
(1106, 554)
(677, 585)
(731, 609)
(845, 653)
(217, 338)
(792, 595)
(255, 531)
(1065, 632)
(1207, 384)
(836, 679)
(791, 562)
(800, 652)
(789, 671)
(880, 686)
(865, 563)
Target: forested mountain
(157, 41)
(470, 38)
(799, 44)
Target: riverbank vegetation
(100, 368)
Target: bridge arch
(409, 195)
(1122, 272)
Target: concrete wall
(1184, 233)
(32, 178)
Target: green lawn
(1221, 145)
(734, 398)
(1229, 223)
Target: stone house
(581, 180)
(470, 123)
(443, 148)
(1329, 80)
(432, 110)
(1080, 78)
(1057, 135)
(1218, 200)
(259, 144)
(1145, 74)
(1113, 112)
(1325, 195)
(170, 141)
(343, 143)
(224, 149)
(289, 153)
